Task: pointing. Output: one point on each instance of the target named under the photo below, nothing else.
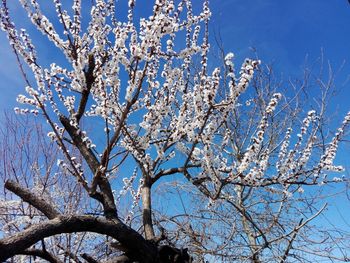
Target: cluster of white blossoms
(330, 153)
(289, 161)
(128, 184)
(135, 194)
(251, 156)
(137, 77)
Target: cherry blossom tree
(172, 161)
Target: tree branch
(88, 258)
(147, 210)
(87, 153)
(42, 254)
(18, 243)
(89, 78)
(38, 202)
(118, 259)
(173, 170)
(290, 243)
(107, 199)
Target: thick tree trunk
(146, 212)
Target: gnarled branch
(38, 202)
(18, 243)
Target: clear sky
(285, 31)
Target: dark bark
(38, 202)
(168, 254)
(89, 79)
(41, 254)
(119, 259)
(88, 258)
(144, 251)
(106, 194)
(59, 224)
(87, 153)
(146, 211)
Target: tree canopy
(160, 155)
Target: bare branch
(38, 202)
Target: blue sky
(283, 32)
